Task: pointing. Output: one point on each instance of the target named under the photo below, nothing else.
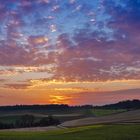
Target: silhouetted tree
(25, 121)
(6, 126)
(47, 121)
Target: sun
(59, 99)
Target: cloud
(2, 80)
(110, 59)
(1, 96)
(125, 17)
(86, 59)
(17, 86)
(37, 40)
(83, 54)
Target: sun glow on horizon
(60, 99)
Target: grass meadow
(96, 132)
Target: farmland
(96, 132)
(75, 124)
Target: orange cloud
(38, 40)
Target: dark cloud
(2, 80)
(82, 53)
(17, 86)
(93, 58)
(125, 17)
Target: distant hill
(128, 104)
(58, 107)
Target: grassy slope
(97, 132)
(11, 117)
(96, 112)
(125, 117)
(103, 112)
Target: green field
(11, 118)
(103, 112)
(97, 132)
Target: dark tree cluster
(29, 121)
(57, 107)
(47, 121)
(6, 126)
(134, 104)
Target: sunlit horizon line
(69, 104)
(41, 84)
(71, 82)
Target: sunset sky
(69, 51)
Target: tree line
(30, 121)
(44, 107)
(128, 104)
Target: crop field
(117, 118)
(96, 132)
(66, 117)
(7, 117)
(103, 112)
(97, 124)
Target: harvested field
(125, 117)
